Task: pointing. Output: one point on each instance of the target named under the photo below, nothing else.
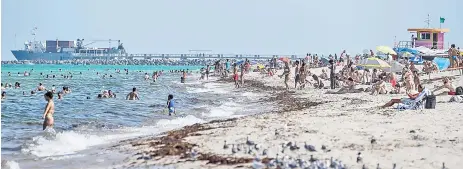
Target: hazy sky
(227, 26)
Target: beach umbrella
(386, 50)
(240, 62)
(442, 63)
(284, 59)
(260, 66)
(374, 63)
(395, 67)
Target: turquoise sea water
(82, 124)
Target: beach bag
(458, 99)
(430, 102)
(459, 91)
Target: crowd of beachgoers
(339, 128)
(310, 92)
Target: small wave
(10, 164)
(178, 122)
(70, 142)
(63, 143)
(225, 110)
(210, 88)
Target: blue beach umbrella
(240, 62)
(442, 63)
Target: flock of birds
(287, 162)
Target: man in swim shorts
(170, 104)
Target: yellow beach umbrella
(386, 50)
(374, 63)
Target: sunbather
(379, 87)
(324, 75)
(412, 97)
(447, 84)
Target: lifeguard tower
(428, 37)
(432, 38)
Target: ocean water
(86, 128)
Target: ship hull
(26, 55)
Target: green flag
(442, 20)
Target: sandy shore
(345, 124)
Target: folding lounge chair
(414, 104)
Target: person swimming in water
(49, 111)
(3, 95)
(40, 87)
(133, 95)
(170, 104)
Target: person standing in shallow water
(170, 104)
(49, 111)
(207, 72)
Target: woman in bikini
(49, 111)
(235, 76)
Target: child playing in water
(49, 110)
(170, 104)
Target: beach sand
(345, 123)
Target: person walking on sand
(297, 76)
(235, 76)
(133, 95)
(286, 73)
(49, 111)
(242, 74)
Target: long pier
(180, 56)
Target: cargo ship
(69, 50)
(66, 50)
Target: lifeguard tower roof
(443, 30)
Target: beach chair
(414, 104)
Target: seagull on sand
(233, 149)
(264, 153)
(249, 142)
(294, 147)
(359, 159)
(310, 148)
(225, 146)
